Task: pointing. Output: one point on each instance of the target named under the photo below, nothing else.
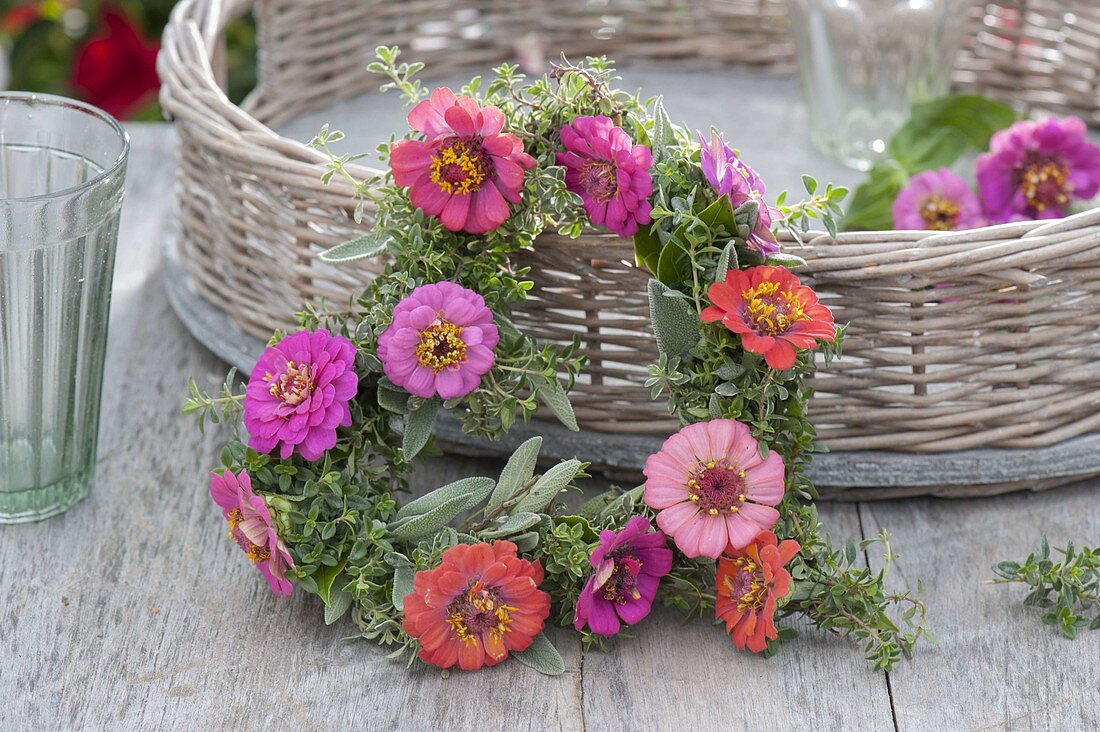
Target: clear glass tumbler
(863, 62)
(62, 165)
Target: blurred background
(102, 51)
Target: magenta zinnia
(298, 394)
(466, 170)
(1034, 170)
(712, 488)
(440, 342)
(250, 526)
(937, 200)
(609, 172)
(629, 566)
(732, 177)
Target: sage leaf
(542, 656)
(552, 482)
(526, 542)
(428, 523)
(418, 428)
(392, 397)
(364, 247)
(784, 259)
(726, 261)
(675, 324)
(516, 523)
(519, 469)
(339, 602)
(472, 490)
(402, 586)
(551, 393)
(325, 576)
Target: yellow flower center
(441, 346)
(1045, 184)
(254, 552)
(460, 166)
(479, 611)
(293, 386)
(939, 214)
(746, 585)
(717, 487)
(771, 311)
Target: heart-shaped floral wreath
(469, 573)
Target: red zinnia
(117, 70)
(750, 580)
(480, 603)
(771, 311)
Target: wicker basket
(986, 338)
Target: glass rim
(55, 100)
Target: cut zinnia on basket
(712, 488)
(774, 314)
(251, 527)
(749, 584)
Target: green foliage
(1067, 592)
(937, 134)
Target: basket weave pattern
(982, 338)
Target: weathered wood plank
(996, 666)
(691, 677)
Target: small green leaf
(675, 324)
(551, 393)
(402, 586)
(1008, 570)
(472, 490)
(810, 183)
(647, 249)
(552, 482)
(365, 247)
(670, 265)
(516, 523)
(339, 602)
(392, 398)
(664, 132)
(542, 656)
(325, 576)
(785, 259)
(418, 427)
(519, 469)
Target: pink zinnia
(298, 394)
(732, 177)
(466, 170)
(440, 342)
(251, 527)
(712, 488)
(938, 200)
(609, 172)
(629, 566)
(1034, 170)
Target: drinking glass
(863, 62)
(62, 165)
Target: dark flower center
(599, 180)
(293, 386)
(771, 311)
(1044, 183)
(622, 585)
(477, 611)
(460, 165)
(718, 487)
(441, 346)
(939, 214)
(746, 584)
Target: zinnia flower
(250, 526)
(1034, 170)
(609, 172)
(441, 341)
(938, 200)
(466, 170)
(732, 177)
(479, 604)
(712, 488)
(298, 394)
(629, 566)
(749, 583)
(771, 311)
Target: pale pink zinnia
(440, 342)
(466, 170)
(712, 488)
(298, 394)
(609, 172)
(251, 527)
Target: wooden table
(134, 611)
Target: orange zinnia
(749, 583)
(772, 312)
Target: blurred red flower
(116, 70)
(19, 17)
